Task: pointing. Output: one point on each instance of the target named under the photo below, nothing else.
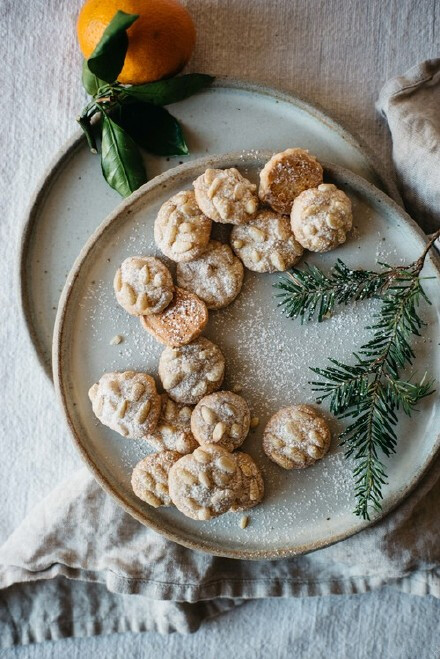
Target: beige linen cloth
(79, 565)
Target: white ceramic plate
(266, 353)
(73, 198)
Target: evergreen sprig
(310, 292)
(371, 391)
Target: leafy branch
(130, 115)
(371, 391)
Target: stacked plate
(267, 354)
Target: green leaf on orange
(107, 59)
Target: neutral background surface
(335, 53)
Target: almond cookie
(181, 231)
(192, 371)
(253, 484)
(149, 479)
(181, 322)
(226, 196)
(206, 483)
(266, 243)
(222, 418)
(126, 402)
(285, 176)
(296, 437)
(173, 431)
(216, 276)
(143, 285)
(321, 218)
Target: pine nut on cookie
(143, 285)
(149, 479)
(206, 483)
(181, 230)
(173, 430)
(321, 218)
(222, 418)
(192, 371)
(266, 243)
(296, 437)
(225, 196)
(127, 402)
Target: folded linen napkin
(79, 565)
(411, 105)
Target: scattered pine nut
(255, 421)
(237, 388)
(244, 521)
(116, 340)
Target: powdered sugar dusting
(267, 358)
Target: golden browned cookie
(296, 437)
(181, 322)
(190, 372)
(226, 196)
(181, 231)
(321, 218)
(222, 418)
(285, 176)
(143, 285)
(216, 276)
(266, 243)
(126, 402)
(173, 431)
(149, 479)
(253, 484)
(205, 483)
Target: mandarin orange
(160, 42)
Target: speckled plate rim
(64, 154)
(169, 177)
